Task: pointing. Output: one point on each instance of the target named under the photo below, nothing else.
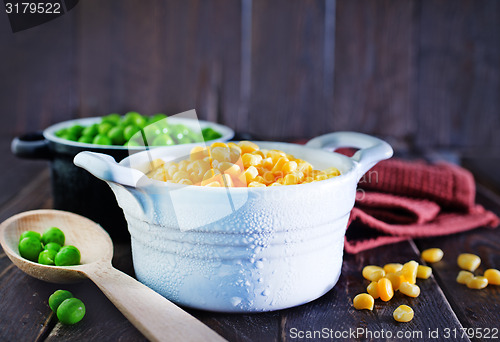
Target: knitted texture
(401, 200)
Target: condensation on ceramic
(276, 248)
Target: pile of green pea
(69, 310)
(48, 248)
(115, 129)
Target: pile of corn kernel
(241, 164)
(397, 277)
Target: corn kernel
(469, 262)
(156, 163)
(229, 168)
(183, 164)
(432, 255)
(403, 313)
(424, 272)
(185, 182)
(179, 175)
(290, 179)
(249, 174)
(268, 177)
(409, 271)
(363, 301)
(256, 185)
(276, 184)
(332, 172)
(267, 163)
(464, 277)
(392, 268)
(410, 290)
(396, 279)
(289, 167)
(251, 160)
(320, 177)
(259, 153)
(171, 170)
(221, 154)
(308, 180)
(247, 146)
(385, 290)
(198, 152)
(493, 276)
(372, 289)
(304, 167)
(259, 179)
(373, 273)
(477, 283)
(275, 155)
(218, 144)
(279, 164)
(235, 154)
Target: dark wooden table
(443, 309)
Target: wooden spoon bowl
(155, 316)
(93, 242)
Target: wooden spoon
(155, 316)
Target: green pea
(86, 139)
(104, 127)
(130, 117)
(29, 248)
(210, 134)
(129, 131)
(157, 117)
(140, 121)
(69, 136)
(52, 246)
(47, 257)
(90, 131)
(71, 311)
(30, 233)
(67, 256)
(184, 140)
(102, 140)
(61, 132)
(113, 118)
(163, 140)
(53, 234)
(75, 130)
(132, 143)
(57, 298)
(116, 135)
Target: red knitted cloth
(399, 200)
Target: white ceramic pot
(240, 249)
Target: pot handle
(371, 149)
(31, 146)
(107, 169)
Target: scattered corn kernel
(477, 283)
(410, 290)
(385, 290)
(372, 289)
(363, 301)
(392, 268)
(493, 276)
(469, 262)
(396, 279)
(432, 255)
(403, 313)
(464, 277)
(256, 185)
(424, 272)
(409, 271)
(373, 273)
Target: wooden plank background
(422, 74)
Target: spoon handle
(152, 314)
